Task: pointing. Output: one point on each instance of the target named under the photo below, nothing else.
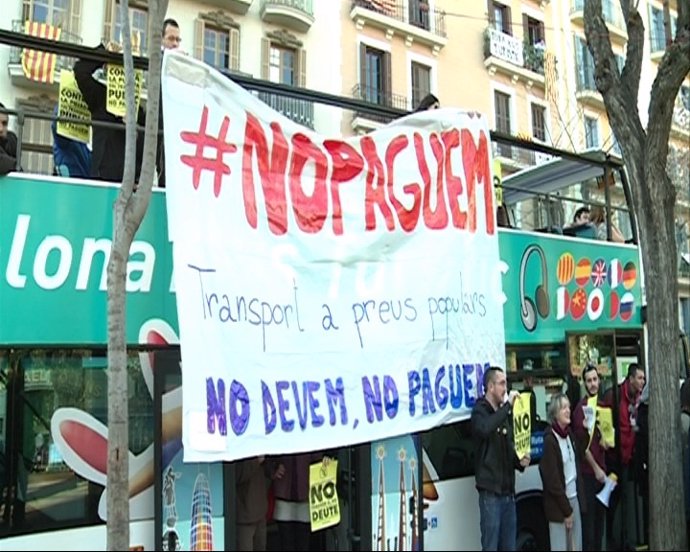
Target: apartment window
(217, 41)
(499, 17)
(421, 82)
(283, 60)
(61, 13)
(419, 13)
(657, 34)
(534, 30)
(502, 113)
(584, 65)
(539, 122)
(591, 132)
(375, 75)
(37, 140)
(138, 20)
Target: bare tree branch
(673, 69)
(630, 76)
(129, 172)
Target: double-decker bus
(569, 299)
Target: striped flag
(382, 6)
(40, 66)
(615, 273)
(562, 302)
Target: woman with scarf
(562, 485)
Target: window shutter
(265, 57)
(508, 23)
(234, 49)
(302, 67)
(75, 17)
(109, 19)
(27, 10)
(362, 71)
(199, 39)
(490, 10)
(387, 92)
(525, 27)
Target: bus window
(592, 348)
(450, 450)
(63, 392)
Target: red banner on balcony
(38, 65)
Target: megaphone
(605, 494)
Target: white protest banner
(330, 291)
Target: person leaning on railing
(8, 146)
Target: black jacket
(495, 460)
(8, 153)
(108, 155)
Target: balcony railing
(62, 62)
(297, 15)
(413, 12)
(509, 48)
(379, 97)
(299, 111)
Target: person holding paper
(496, 462)
(562, 485)
(593, 465)
(620, 522)
(108, 154)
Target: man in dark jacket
(8, 146)
(108, 155)
(496, 462)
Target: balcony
(413, 20)
(240, 7)
(299, 111)
(365, 122)
(14, 66)
(585, 88)
(506, 54)
(297, 15)
(680, 122)
(612, 16)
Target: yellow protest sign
(71, 104)
(324, 509)
(522, 424)
(115, 85)
(605, 421)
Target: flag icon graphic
(615, 273)
(599, 273)
(562, 302)
(565, 269)
(578, 304)
(627, 306)
(595, 304)
(629, 275)
(614, 305)
(583, 271)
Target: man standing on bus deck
(496, 462)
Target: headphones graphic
(530, 308)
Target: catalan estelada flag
(37, 65)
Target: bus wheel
(533, 530)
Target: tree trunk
(645, 154)
(128, 212)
